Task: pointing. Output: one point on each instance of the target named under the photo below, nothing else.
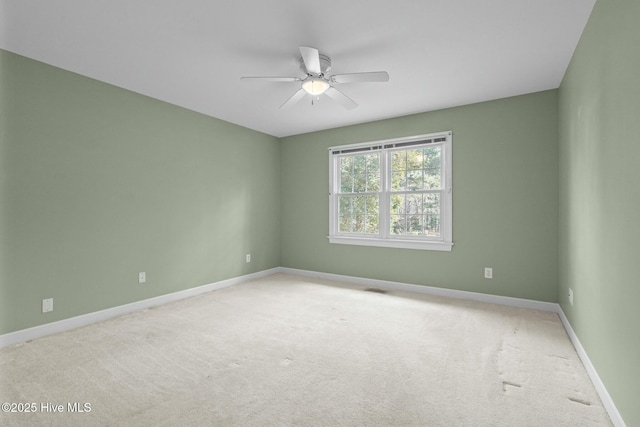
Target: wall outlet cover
(47, 305)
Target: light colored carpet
(286, 350)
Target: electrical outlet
(142, 277)
(248, 257)
(47, 305)
(571, 296)
(488, 273)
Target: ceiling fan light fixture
(316, 82)
(315, 86)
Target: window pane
(415, 214)
(398, 224)
(398, 170)
(344, 225)
(359, 183)
(432, 168)
(431, 204)
(371, 226)
(373, 181)
(414, 203)
(359, 214)
(415, 225)
(413, 171)
(346, 164)
(397, 204)
(398, 161)
(373, 162)
(359, 205)
(432, 156)
(416, 169)
(398, 180)
(359, 164)
(373, 203)
(358, 224)
(415, 180)
(432, 225)
(346, 183)
(360, 173)
(373, 172)
(415, 158)
(344, 205)
(432, 179)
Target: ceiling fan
(316, 81)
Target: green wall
(98, 183)
(600, 198)
(505, 204)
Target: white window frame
(444, 242)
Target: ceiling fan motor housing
(325, 64)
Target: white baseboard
(86, 319)
(109, 313)
(430, 290)
(608, 403)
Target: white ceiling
(192, 53)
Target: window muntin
(392, 193)
(415, 191)
(358, 193)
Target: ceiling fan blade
(311, 58)
(273, 79)
(294, 99)
(341, 98)
(374, 76)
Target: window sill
(393, 243)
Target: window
(393, 193)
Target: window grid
(416, 186)
(359, 184)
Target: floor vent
(376, 290)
